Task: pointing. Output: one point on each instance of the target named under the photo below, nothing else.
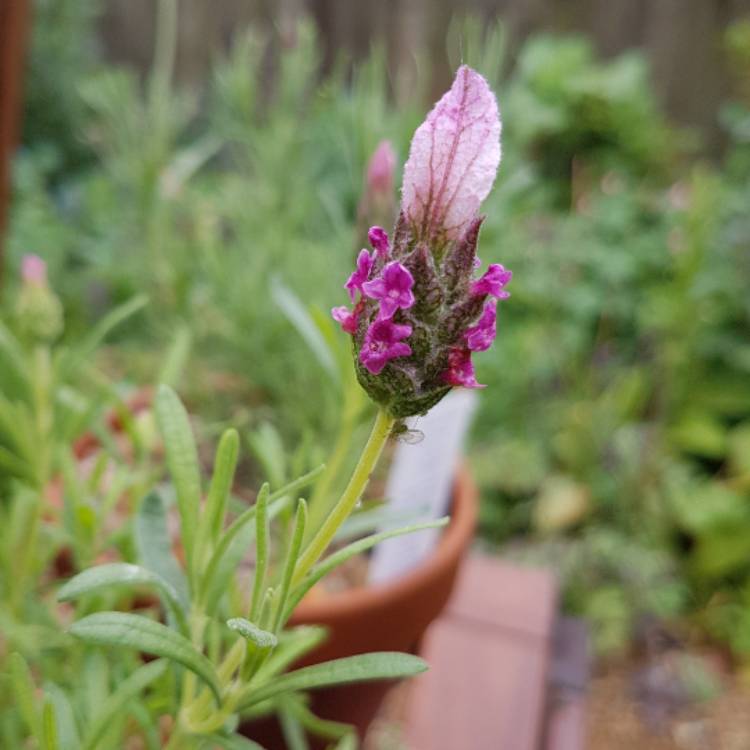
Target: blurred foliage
(614, 436)
(63, 51)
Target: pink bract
(453, 159)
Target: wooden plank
(568, 680)
(489, 656)
(510, 597)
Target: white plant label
(422, 477)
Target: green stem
(381, 430)
(318, 507)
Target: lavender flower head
(419, 312)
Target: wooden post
(14, 20)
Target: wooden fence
(682, 38)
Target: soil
(617, 720)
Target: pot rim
(452, 544)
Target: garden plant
(612, 438)
(420, 312)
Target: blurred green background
(209, 159)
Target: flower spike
(421, 312)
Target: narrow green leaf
(175, 358)
(49, 727)
(116, 703)
(266, 444)
(261, 638)
(67, 731)
(385, 665)
(293, 644)
(219, 578)
(14, 358)
(94, 681)
(182, 459)
(298, 315)
(277, 501)
(16, 466)
(154, 545)
(133, 631)
(261, 548)
(226, 540)
(324, 567)
(294, 732)
(24, 691)
(122, 574)
(291, 562)
(381, 517)
(221, 483)
(297, 484)
(148, 721)
(101, 330)
(314, 724)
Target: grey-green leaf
(324, 567)
(182, 459)
(49, 726)
(294, 732)
(24, 693)
(221, 482)
(67, 731)
(154, 545)
(261, 638)
(290, 563)
(135, 684)
(122, 574)
(385, 665)
(299, 316)
(134, 631)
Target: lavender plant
(419, 315)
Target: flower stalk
(360, 478)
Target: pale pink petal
(453, 159)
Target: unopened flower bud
(38, 309)
(380, 170)
(378, 202)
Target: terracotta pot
(388, 617)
